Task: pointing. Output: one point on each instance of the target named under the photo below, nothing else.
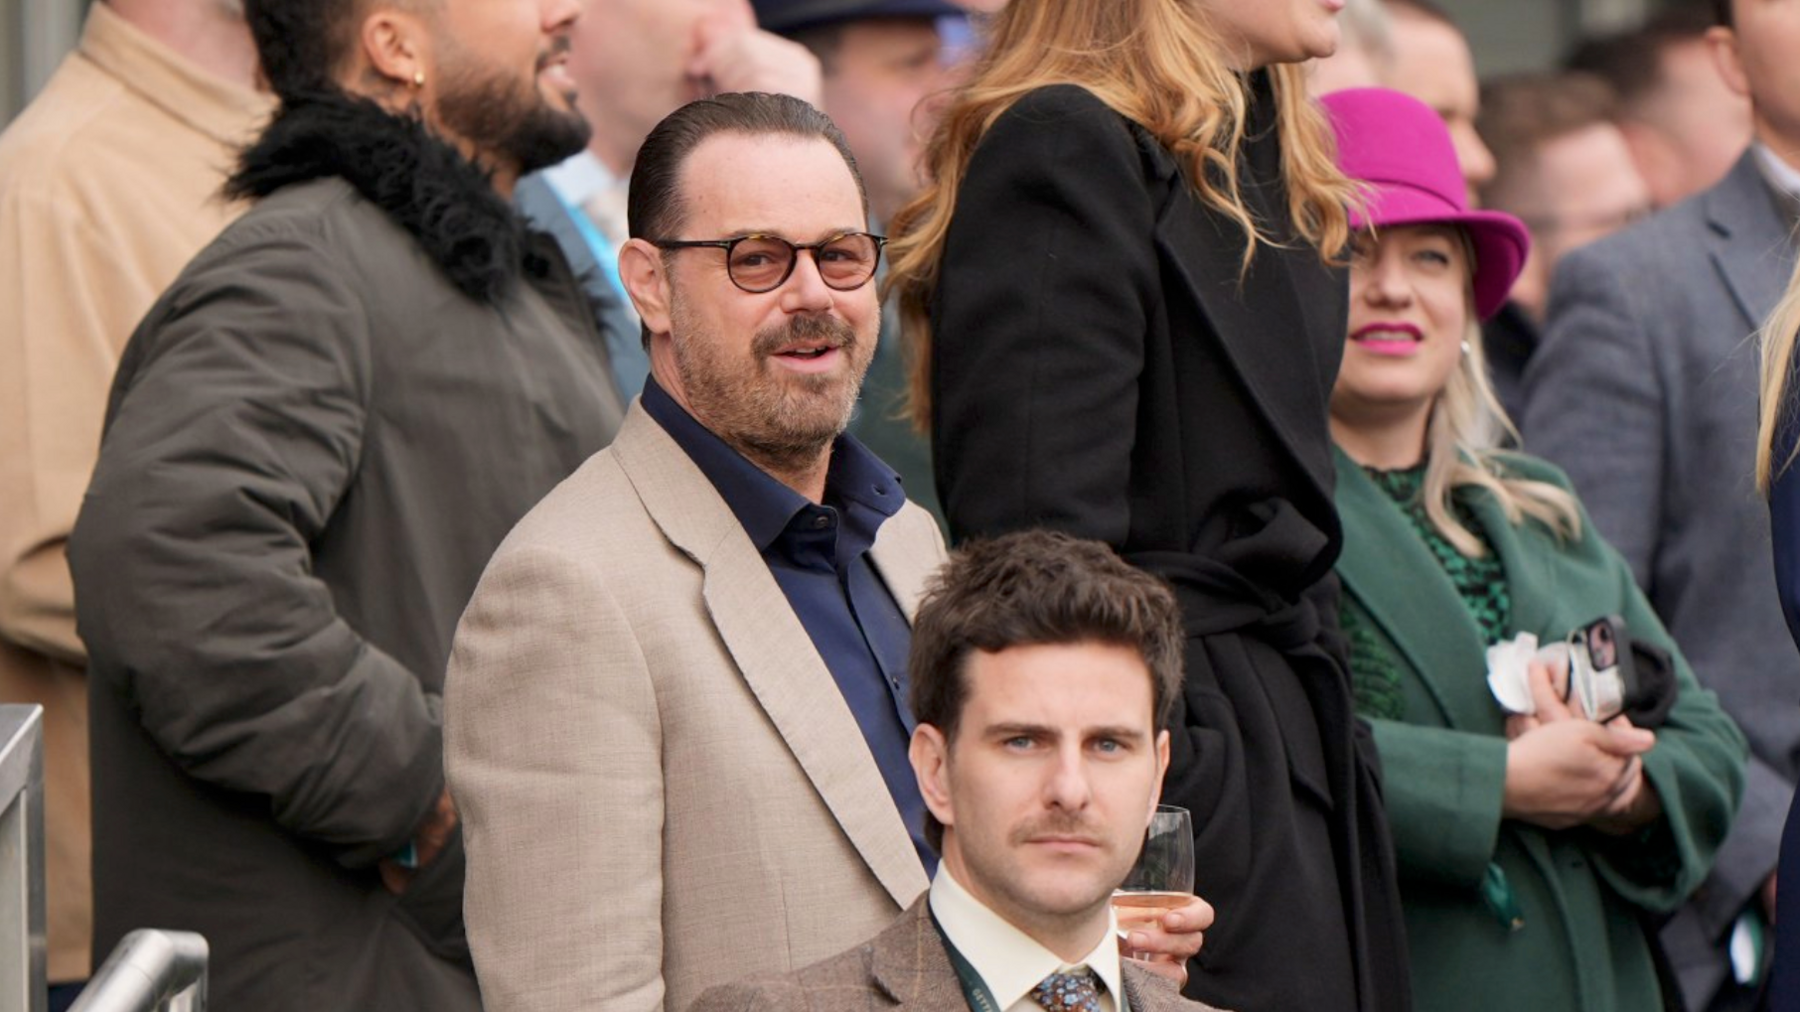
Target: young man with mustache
(677, 720)
(1044, 670)
(316, 439)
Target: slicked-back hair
(302, 43)
(655, 208)
(1722, 12)
(1036, 588)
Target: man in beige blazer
(675, 717)
(661, 783)
(1043, 671)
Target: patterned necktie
(1069, 992)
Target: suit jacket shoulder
(905, 967)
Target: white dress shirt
(1010, 962)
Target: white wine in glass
(1163, 877)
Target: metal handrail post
(22, 950)
(150, 971)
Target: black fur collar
(426, 186)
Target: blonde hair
(1154, 62)
(1777, 340)
(1463, 439)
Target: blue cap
(785, 17)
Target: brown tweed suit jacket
(906, 968)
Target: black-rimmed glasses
(763, 263)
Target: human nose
(1383, 282)
(1068, 787)
(806, 290)
(560, 15)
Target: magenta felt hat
(1401, 149)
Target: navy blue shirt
(819, 555)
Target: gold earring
(418, 79)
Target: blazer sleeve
(1045, 294)
(234, 431)
(1595, 404)
(1697, 769)
(1444, 790)
(553, 750)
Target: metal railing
(22, 858)
(150, 971)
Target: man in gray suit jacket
(1645, 391)
(1044, 669)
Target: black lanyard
(975, 990)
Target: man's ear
(1722, 42)
(1162, 767)
(646, 280)
(394, 45)
(930, 755)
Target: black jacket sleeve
(235, 428)
(1046, 290)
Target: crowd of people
(478, 483)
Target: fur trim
(445, 201)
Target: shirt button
(821, 521)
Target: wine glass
(1163, 877)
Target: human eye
(1110, 745)
(845, 250)
(757, 253)
(1433, 255)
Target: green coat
(1580, 944)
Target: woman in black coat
(1126, 325)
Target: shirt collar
(577, 178)
(1780, 175)
(1011, 963)
(868, 489)
(226, 112)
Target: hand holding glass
(1163, 877)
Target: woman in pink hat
(1534, 849)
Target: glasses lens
(848, 261)
(760, 264)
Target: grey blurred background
(1507, 35)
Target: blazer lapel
(1749, 242)
(772, 651)
(1263, 319)
(902, 568)
(1405, 590)
(1531, 581)
(908, 962)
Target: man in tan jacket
(675, 716)
(109, 184)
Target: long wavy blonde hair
(1778, 339)
(1155, 62)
